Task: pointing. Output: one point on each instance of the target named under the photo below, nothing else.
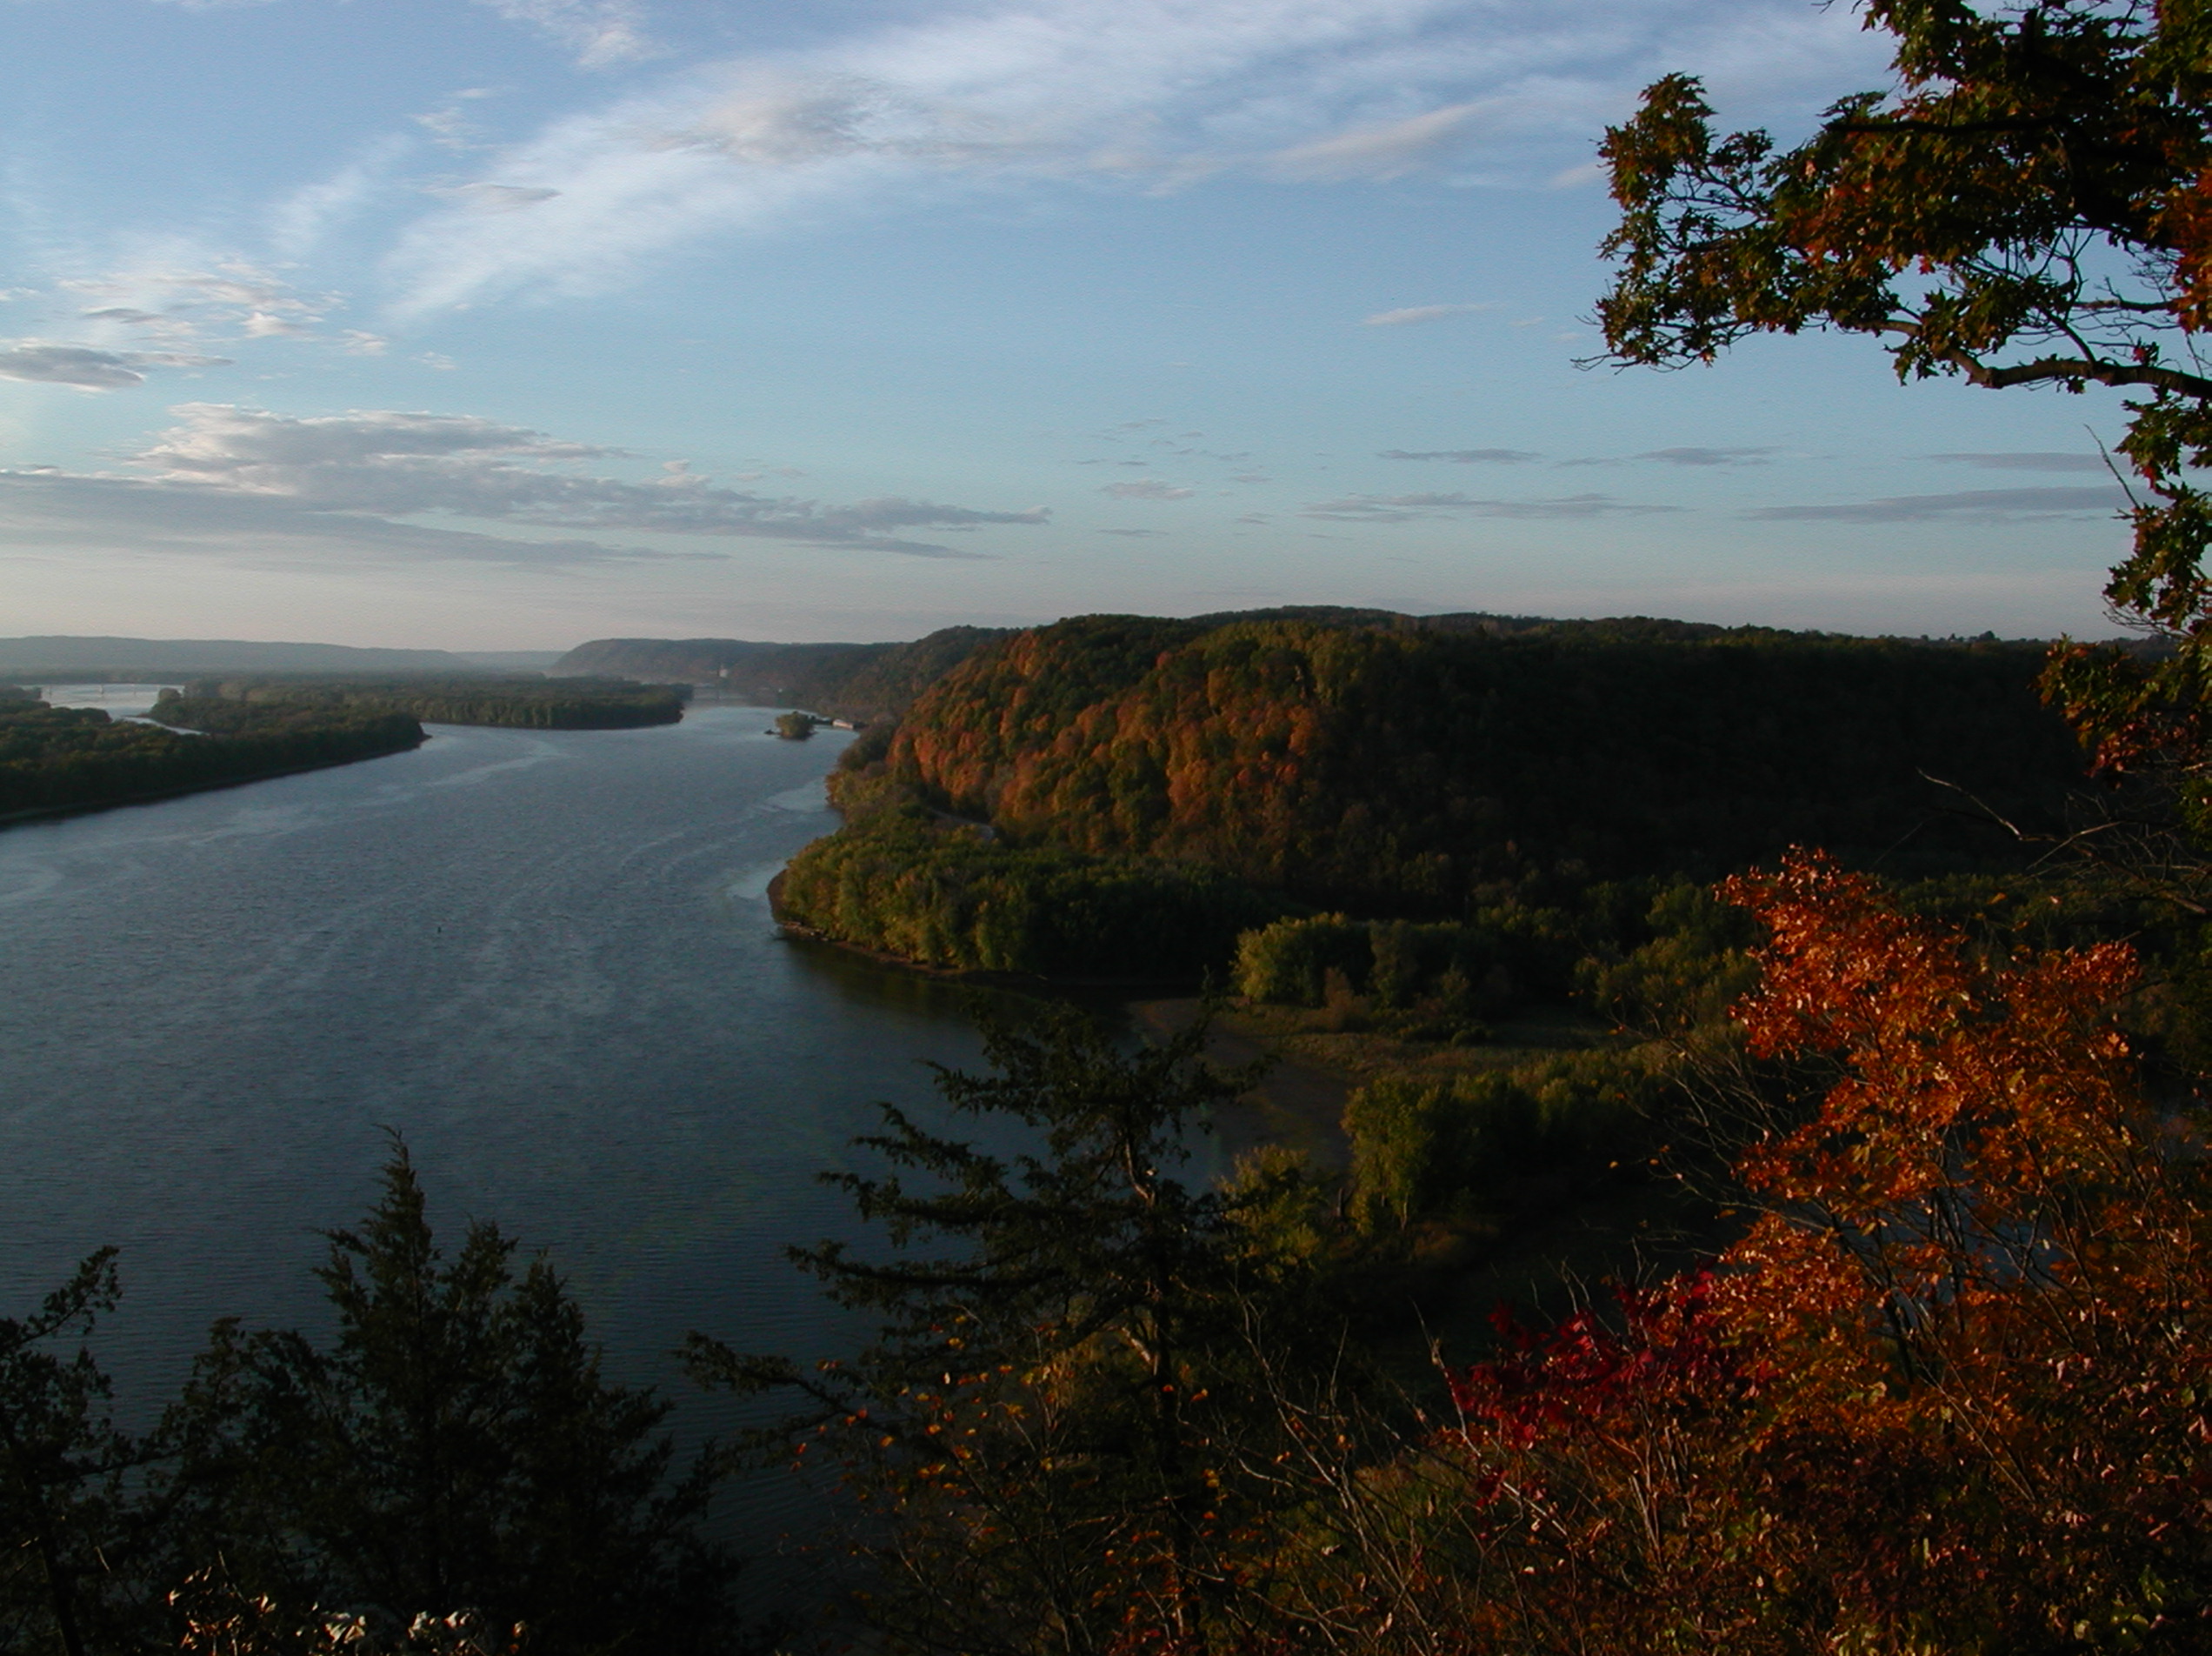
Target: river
(545, 957)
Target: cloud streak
(602, 33)
(1463, 457)
(1414, 314)
(88, 370)
(358, 476)
(1402, 508)
(2030, 460)
(1988, 505)
(1147, 489)
(908, 113)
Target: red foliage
(1949, 1392)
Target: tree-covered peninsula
(1397, 770)
(534, 704)
(72, 759)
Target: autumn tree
(2030, 206)
(1948, 1391)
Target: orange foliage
(1948, 1393)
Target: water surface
(544, 957)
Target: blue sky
(505, 323)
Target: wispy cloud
(601, 33)
(1696, 456)
(88, 370)
(1388, 150)
(908, 113)
(2028, 460)
(64, 511)
(388, 466)
(1995, 505)
(1682, 456)
(1417, 313)
(1463, 457)
(1147, 489)
(1394, 509)
(229, 301)
(494, 198)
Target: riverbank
(62, 761)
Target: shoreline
(36, 813)
(1296, 1104)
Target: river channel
(545, 957)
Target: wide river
(545, 957)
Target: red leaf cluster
(1949, 1392)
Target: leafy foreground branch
(2031, 205)
(449, 1473)
(1945, 1392)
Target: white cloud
(389, 464)
(1414, 313)
(1389, 150)
(1146, 488)
(233, 300)
(600, 32)
(1463, 457)
(89, 370)
(907, 113)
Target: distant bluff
(866, 682)
(1396, 766)
(873, 682)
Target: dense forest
(538, 704)
(1413, 771)
(67, 758)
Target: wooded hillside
(1395, 768)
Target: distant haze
(120, 659)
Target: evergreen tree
(68, 1515)
(455, 1445)
(1054, 1416)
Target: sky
(502, 324)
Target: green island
(74, 758)
(531, 703)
